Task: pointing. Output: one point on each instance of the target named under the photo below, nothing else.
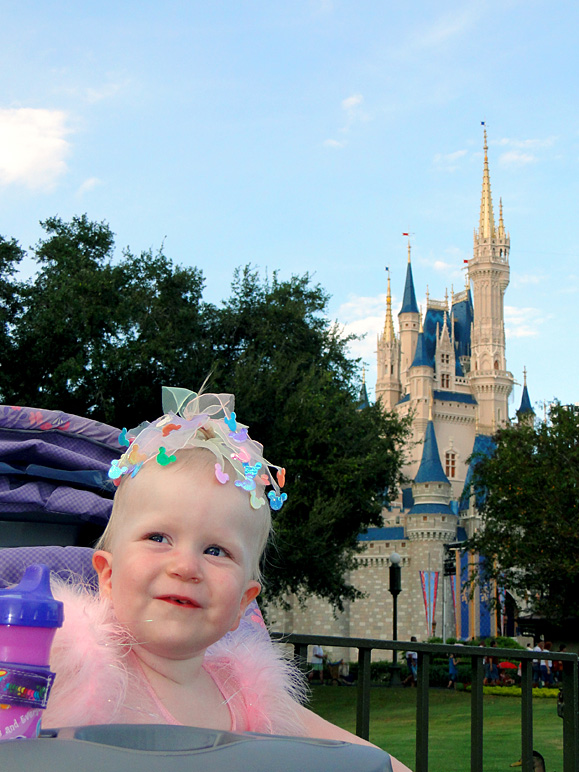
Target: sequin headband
(207, 421)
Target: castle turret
(408, 320)
(431, 523)
(420, 382)
(489, 272)
(525, 413)
(445, 357)
(388, 386)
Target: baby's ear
(103, 564)
(253, 590)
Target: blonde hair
(199, 458)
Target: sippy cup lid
(31, 603)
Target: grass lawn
(393, 727)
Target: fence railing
(426, 652)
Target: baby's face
(179, 570)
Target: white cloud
(439, 33)
(525, 278)
(93, 95)
(351, 107)
(350, 103)
(440, 265)
(516, 158)
(89, 184)
(526, 144)
(522, 322)
(360, 307)
(33, 148)
(335, 143)
(448, 162)
(522, 151)
(323, 7)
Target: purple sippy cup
(29, 616)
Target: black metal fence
(426, 652)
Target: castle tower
(388, 386)
(420, 383)
(525, 413)
(408, 321)
(489, 272)
(430, 523)
(445, 356)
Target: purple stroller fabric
(55, 463)
(70, 563)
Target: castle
(447, 369)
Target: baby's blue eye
(158, 537)
(215, 551)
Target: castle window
(445, 381)
(496, 365)
(397, 519)
(445, 359)
(450, 463)
(392, 369)
(425, 518)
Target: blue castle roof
(433, 321)
(363, 399)
(421, 358)
(389, 533)
(526, 406)
(484, 445)
(431, 509)
(454, 396)
(463, 317)
(430, 469)
(409, 304)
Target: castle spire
(409, 304)
(487, 220)
(430, 469)
(501, 230)
(389, 334)
(526, 408)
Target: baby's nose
(186, 565)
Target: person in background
(557, 665)
(412, 663)
(317, 663)
(546, 674)
(453, 661)
(536, 665)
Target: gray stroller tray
(156, 748)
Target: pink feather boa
(96, 682)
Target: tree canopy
(528, 497)
(98, 335)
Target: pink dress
(99, 681)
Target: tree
(527, 493)
(10, 291)
(297, 387)
(98, 336)
(68, 312)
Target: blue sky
(307, 136)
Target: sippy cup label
(25, 685)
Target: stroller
(55, 501)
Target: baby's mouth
(178, 600)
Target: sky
(307, 136)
